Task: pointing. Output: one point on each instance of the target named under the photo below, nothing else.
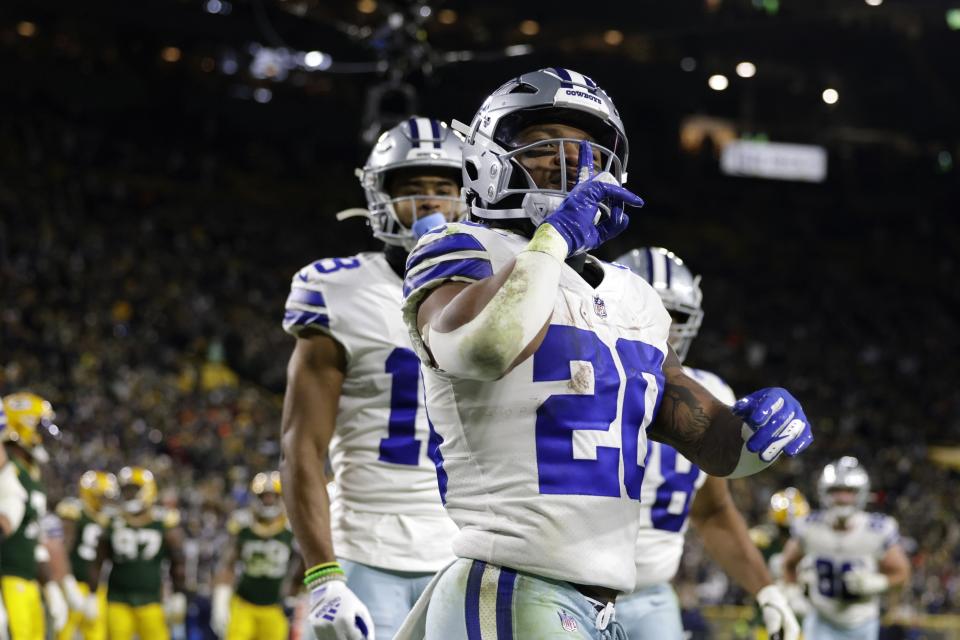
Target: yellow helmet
(146, 486)
(262, 484)
(28, 417)
(787, 505)
(95, 486)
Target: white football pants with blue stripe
(388, 595)
(652, 613)
(816, 627)
(474, 600)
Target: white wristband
(485, 347)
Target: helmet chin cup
(537, 206)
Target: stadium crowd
(142, 281)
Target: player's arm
(174, 537)
(315, 377)
(13, 497)
(223, 582)
(895, 566)
(725, 536)
(792, 555)
(481, 330)
(727, 441)
(893, 570)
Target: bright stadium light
(746, 69)
(830, 96)
(874, 3)
(317, 60)
(718, 82)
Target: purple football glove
(777, 421)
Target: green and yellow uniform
(264, 549)
(88, 529)
(18, 562)
(137, 548)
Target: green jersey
(138, 553)
(265, 553)
(18, 552)
(88, 528)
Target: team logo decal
(567, 621)
(599, 307)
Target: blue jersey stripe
(447, 244)
(306, 296)
(508, 578)
(468, 268)
(472, 600)
(434, 441)
(293, 318)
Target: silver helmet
(845, 473)
(416, 142)
(496, 184)
(678, 288)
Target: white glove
(795, 598)
(91, 608)
(72, 592)
(175, 608)
(865, 583)
(220, 609)
(777, 615)
(56, 605)
(337, 614)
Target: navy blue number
(400, 446)
(830, 582)
(560, 415)
(329, 265)
(673, 483)
(637, 358)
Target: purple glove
(576, 219)
(777, 421)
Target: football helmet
(97, 487)
(496, 184)
(786, 506)
(263, 484)
(845, 473)
(29, 418)
(414, 143)
(145, 495)
(678, 288)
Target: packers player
(137, 542)
(12, 496)
(84, 519)
(262, 542)
(22, 556)
(786, 506)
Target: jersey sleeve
(52, 527)
(238, 520)
(887, 528)
(68, 509)
(306, 306)
(452, 253)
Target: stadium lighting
(425, 11)
(874, 3)
(447, 16)
(529, 27)
(613, 37)
(718, 82)
(317, 60)
(953, 19)
(213, 6)
(830, 96)
(688, 64)
(262, 95)
(170, 54)
(746, 69)
(366, 6)
(26, 29)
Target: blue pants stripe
(508, 578)
(472, 600)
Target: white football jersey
(831, 554)
(542, 469)
(669, 483)
(386, 511)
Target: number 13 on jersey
(631, 392)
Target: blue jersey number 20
(560, 415)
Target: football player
(263, 543)
(676, 490)
(23, 558)
(786, 507)
(12, 495)
(84, 519)
(855, 556)
(545, 369)
(138, 542)
(353, 389)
